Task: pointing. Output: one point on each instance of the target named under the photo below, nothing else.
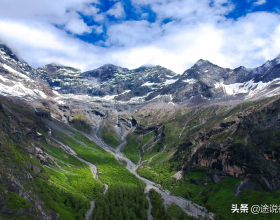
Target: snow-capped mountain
(63, 79)
(108, 80)
(16, 80)
(203, 83)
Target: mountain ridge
(125, 84)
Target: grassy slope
(110, 138)
(130, 150)
(67, 192)
(11, 156)
(81, 122)
(112, 171)
(146, 138)
(74, 175)
(74, 178)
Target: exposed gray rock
(36, 169)
(246, 184)
(38, 150)
(218, 176)
(42, 159)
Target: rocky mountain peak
(6, 51)
(54, 68)
(240, 68)
(261, 70)
(156, 70)
(203, 70)
(145, 67)
(205, 66)
(105, 72)
(110, 66)
(202, 62)
(271, 63)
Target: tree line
(158, 210)
(121, 202)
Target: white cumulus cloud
(196, 30)
(259, 2)
(77, 26)
(117, 10)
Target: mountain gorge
(197, 142)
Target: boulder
(38, 150)
(42, 158)
(178, 175)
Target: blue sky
(134, 13)
(175, 34)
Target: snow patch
(139, 99)
(42, 94)
(190, 81)
(170, 81)
(169, 76)
(3, 79)
(237, 88)
(126, 91)
(61, 102)
(109, 97)
(250, 88)
(19, 89)
(149, 84)
(15, 72)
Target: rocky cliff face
(126, 84)
(108, 80)
(21, 164)
(61, 78)
(242, 142)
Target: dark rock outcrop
(246, 184)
